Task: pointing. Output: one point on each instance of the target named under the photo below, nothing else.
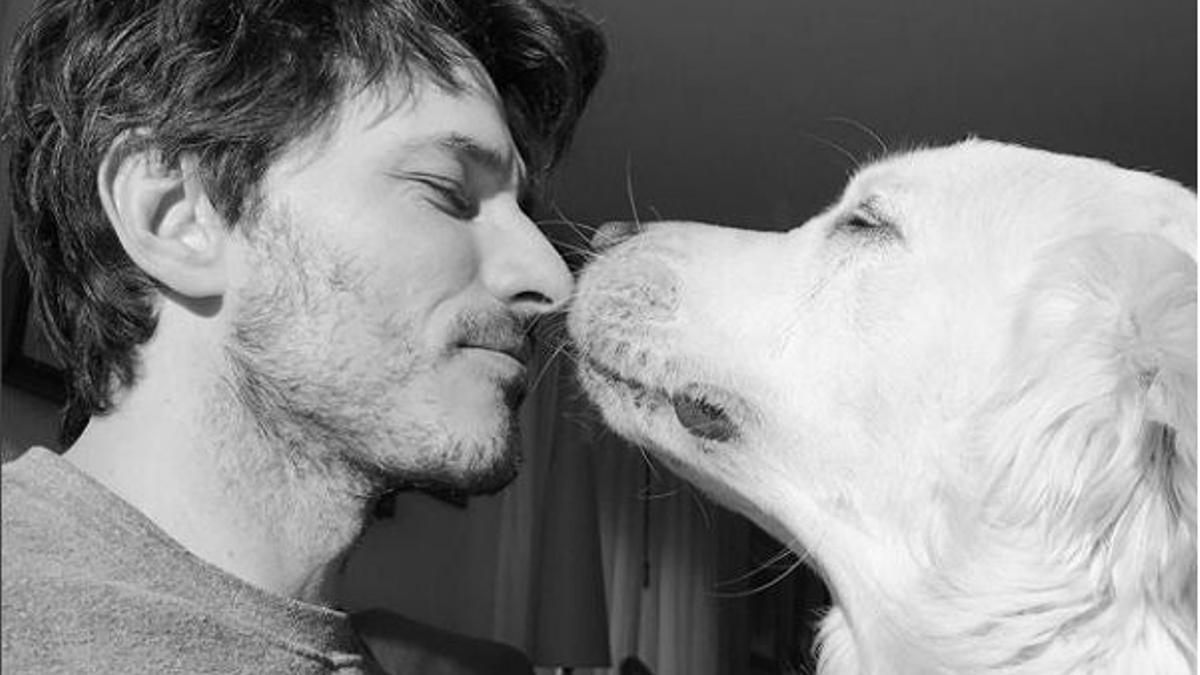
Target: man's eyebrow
(495, 160)
(488, 156)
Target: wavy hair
(232, 84)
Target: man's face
(385, 287)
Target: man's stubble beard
(353, 445)
(365, 430)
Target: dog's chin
(682, 427)
(604, 383)
(675, 421)
(633, 409)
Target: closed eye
(868, 221)
(450, 196)
(859, 221)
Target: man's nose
(523, 270)
(612, 233)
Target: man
(283, 249)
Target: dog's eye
(867, 222)
(860, 222)
(863, 221)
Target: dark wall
(716, 106)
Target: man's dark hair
(232, 84)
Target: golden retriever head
(967, 389)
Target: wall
(724, 110)
(25, 419)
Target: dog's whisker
(550, 362)
(562, 219)
(759, 589)
(558, 342)
(562, 348)
(566, 350)
(580, 228)
(854, 161)
(629, 189)
(577, 244)
(699, 501)
(645, 495)
(649, 462)
(582, 247)
(883, 148)
(578, 241)
(586, 254)
(783, 553)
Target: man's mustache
(498, 331)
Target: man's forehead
(422, 116)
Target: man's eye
(452, 198)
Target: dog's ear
(1101, 417)
(1171, 210)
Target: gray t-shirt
(90, 585)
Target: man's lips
(501, 333)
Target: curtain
(658, 545)
(519, 508)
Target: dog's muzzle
(704, 411)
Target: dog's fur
(967, 391)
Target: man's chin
(490, 471)
(499, 464)
(474, 484)
(498, 473)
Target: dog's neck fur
(1052, 543)
(1005, 604)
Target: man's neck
(226, 495)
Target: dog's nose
(611, 234)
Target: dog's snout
(612, 233)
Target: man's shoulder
(72, 596)
(55, 520)
(54, 621)
(33, 527)
(68, 623)
(54, 603)
(43, 530)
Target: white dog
(967, 391)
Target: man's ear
(164, 218)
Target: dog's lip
(607, 372)
(707, 412)
(519, 349)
